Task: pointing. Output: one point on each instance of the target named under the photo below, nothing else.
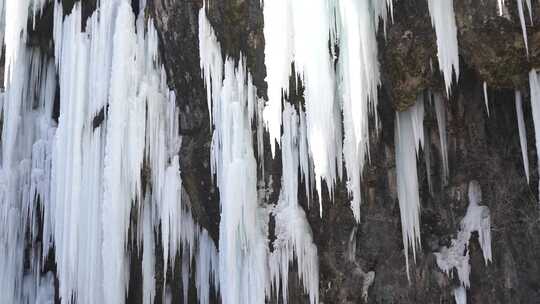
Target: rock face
(480, 148)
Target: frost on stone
(455, 259)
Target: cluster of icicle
(477, 219)
(73, 186)
(410, 141)
(249, 271)
(299, 35)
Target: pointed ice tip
(486, 100)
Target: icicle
(16, 14)
(311, 25)
(358, 77)
(500, 4)
(477, 219)
(148, 255)
(522, 22)
(278, 58)
(529, 7)
(25, 170)
(207, 268)
(534, 84)
(211, 63)
(381, 10)
(407, 180)
(444, 22)
(440, 112)
(2, 23)
(260, 134)
(522, 133)
(460, 295)
(358, 81)
(115, 112)
(486, 100)
(417, 116)
(294, 239)
(118, 194)
(243, 226)
(427, 160)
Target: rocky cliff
(359, 261)
(480, 147)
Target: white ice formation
(456, 257)
(75, 182)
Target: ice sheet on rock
(406, 141)
(522, 133)
(477, 219)
(444, 22)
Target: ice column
(522, 133)
(243, 228)
(407, 139)
(294, 239)
(444, 22)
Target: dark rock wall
(480, 147)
